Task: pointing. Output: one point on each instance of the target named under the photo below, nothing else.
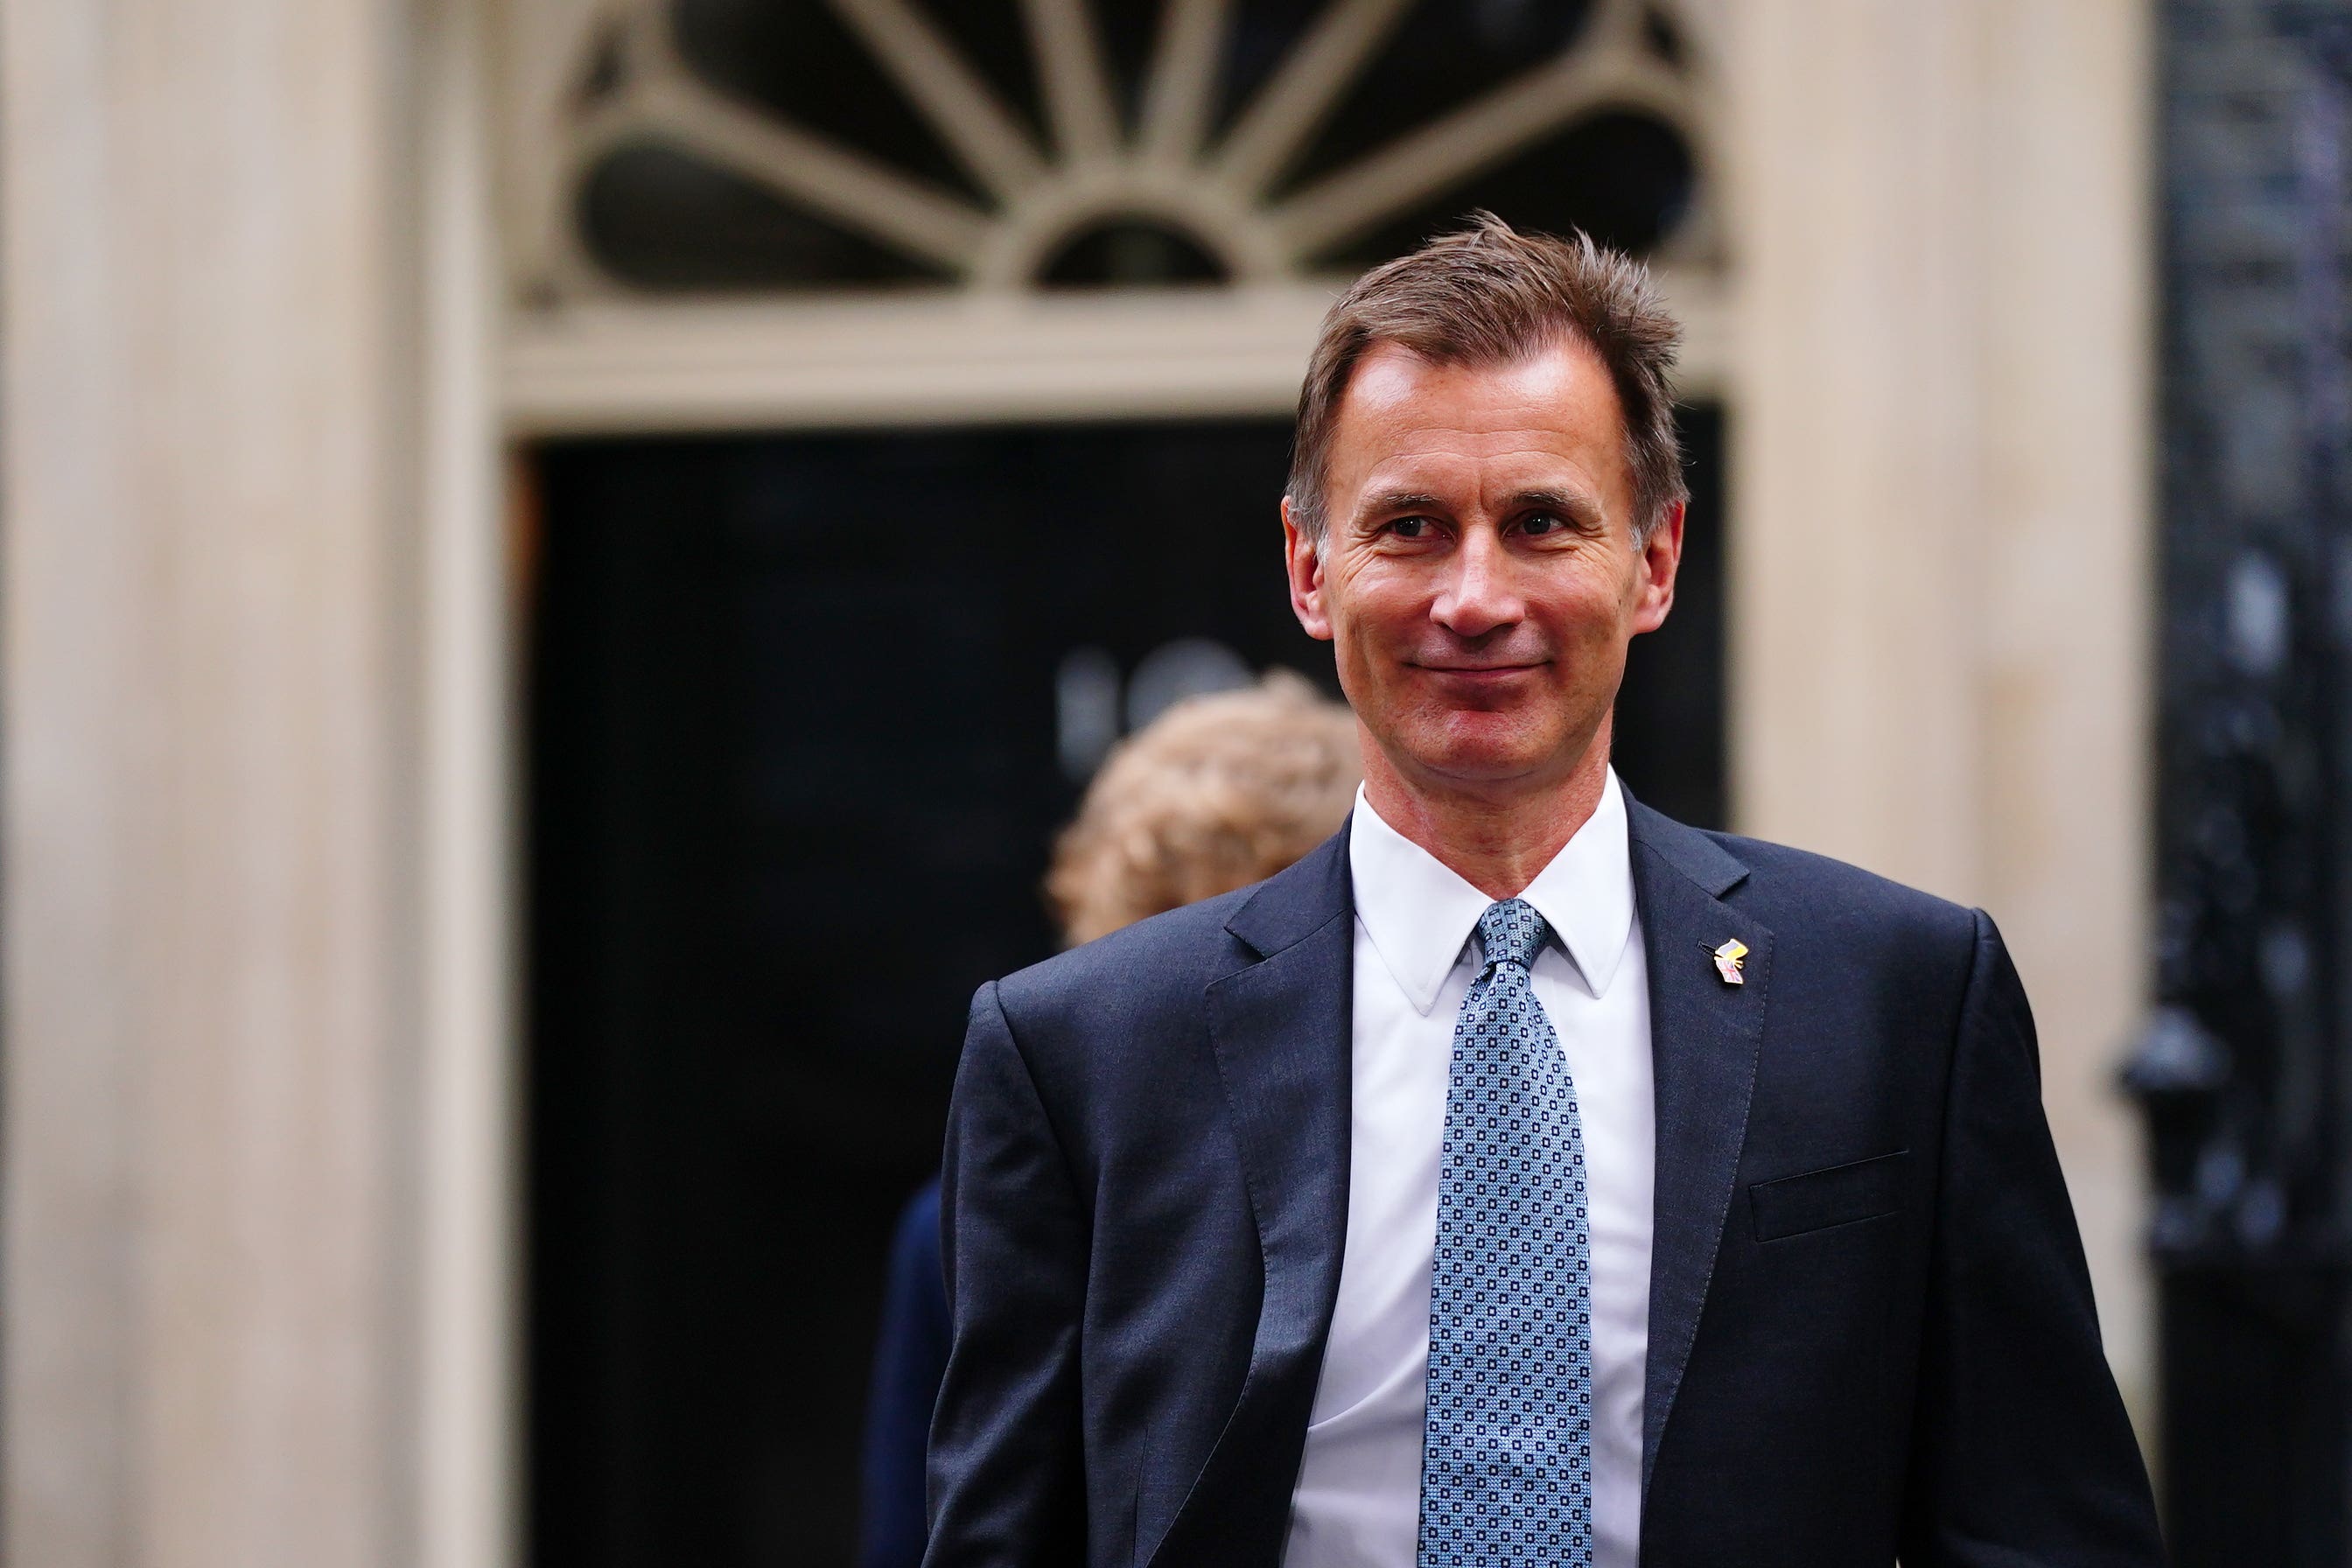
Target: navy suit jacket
(1871, 1327)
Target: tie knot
(1513, 933)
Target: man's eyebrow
(1391, 501)
(1576, 505)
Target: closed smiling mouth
(1476, 670)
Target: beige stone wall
(238, 591)
(1940, 478)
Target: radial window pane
(660, 220)
(795, 59)
(1443, 54)
(991, 37)
(1130, 253)
(1258, 38)
(1625, 179)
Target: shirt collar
(1419, 912)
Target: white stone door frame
(469, 1476)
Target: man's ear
(1305, 565)
(1662, 557)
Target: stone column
(226, 428)
(1941, 410)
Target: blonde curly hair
(1216, 792)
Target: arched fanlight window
(775, 146)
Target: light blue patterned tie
(1506, 1457)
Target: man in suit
(1522, 1177)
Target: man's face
(1481, 578)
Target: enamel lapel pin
(1726, 960)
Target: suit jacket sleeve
(1006, 1470)
(2022, 1452)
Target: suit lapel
(1704, 1037)
(1279, 1028)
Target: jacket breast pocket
(1817, 1200)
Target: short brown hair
(1215, 793)
(1490, 295)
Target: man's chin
(1470, 756)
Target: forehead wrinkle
(1448, 458)
(1406, 424)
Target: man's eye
(1539, 522)
(1411, 528)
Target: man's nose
(1478, 593)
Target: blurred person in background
(1522, 1176)
(1218, 792)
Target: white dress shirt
(1358, 1502)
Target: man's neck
(1496, 840)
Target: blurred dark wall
(2244, 1072)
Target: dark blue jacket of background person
(1871, 1327)
(909, 1357)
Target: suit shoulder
(1802, 884)
(1167, 958)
